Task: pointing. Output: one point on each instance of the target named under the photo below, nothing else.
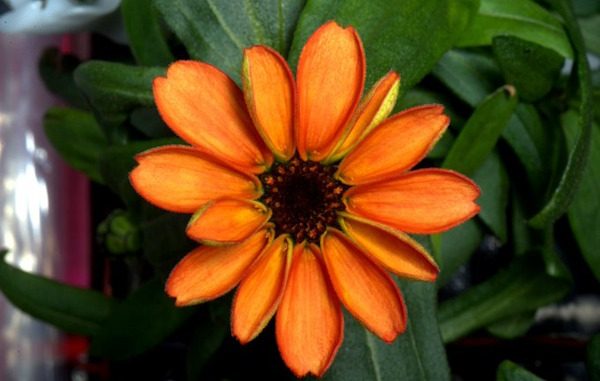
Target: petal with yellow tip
(227, 220)
(259, 293)
(330, 81)
(364, 288)
(372, 110)
(182, 179)
(309, 324)
(395, 250)
(425, 201)
(270, 96)
(209, 272)
(395, 146)
(206, 108)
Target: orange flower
(279, 215)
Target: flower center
(304, 198)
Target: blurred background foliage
(515, 79)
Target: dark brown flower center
(304, 198)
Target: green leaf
(524, 286)
(455, 247)
(583, 212)
(56, 70)
(148, 121)
(520, 18)
(590, 29)
(512, 326)
(69, 308)
(530, 67)
(593, 358)
(509, 371)
(471, 75)
(481, 132)
(117, 161)
(217, 31)
(408, 36)
(114, 89)
(139, 323)
(564, 192)
(530, 139)
(493, 180)
(146, 39)
(364, 357)
(77, 138)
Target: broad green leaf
(408, 36)
(364, 357)
(78, 139)
(520, 18)
(512, 326)
(217, 31)
(139, 323)
(481, 132)
(530, 140)
(525, 285)
(148, 121)
(146, 39)
(569, 181)
(471, 75)
(593, 358)
(583, 212)
(509, 371)
(72, 309)
(528, 66)
(56, 70)
(590, 29)
(114, 89)
(455, 247)
(493, 180)
(116, 162)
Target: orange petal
(372, 110)
(395, 146)
(227, 220)
(209, 272)
(182, 179)
(259, 294)
(331, 75)
(424, 202)
(269, 93)
(309, 325)
(395, 250)
(366, 290)
(206, 109)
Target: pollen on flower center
(304, 198)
